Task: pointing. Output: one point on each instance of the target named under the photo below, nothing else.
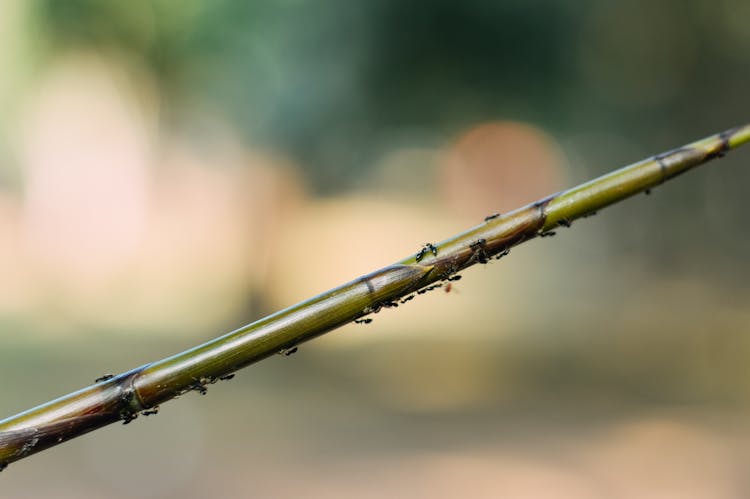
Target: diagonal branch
(141, 390)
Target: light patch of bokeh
(659, 456)
(498, 166)
(86, 155)
(117, 223)
(334, 240)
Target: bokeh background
(171, 170)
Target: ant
(503, 253)
(480, 253)
(564, 222)
(363, 321)
(226, 377)
(491, 217)
(449, 285)
(427, 248)
(405, 299)
(429, 288)
(104, 378)
(548, 233)
(127, 416)
(288, 352)
(151, 412)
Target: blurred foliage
(335, 82)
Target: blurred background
(171, 170)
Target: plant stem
(141, 390)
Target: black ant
(478, 244)
(564, 222)
(151, 412)
(363, 321)
(429, 288)
(548, 233)
(288, 352)
(104, 378)
(480, 252)
(226, 377)
(405, 299)
(427, 248)
(491, 217)
(454, 278)
(127, 416)
(503, 253)
(200, 384)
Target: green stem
(141, 390)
